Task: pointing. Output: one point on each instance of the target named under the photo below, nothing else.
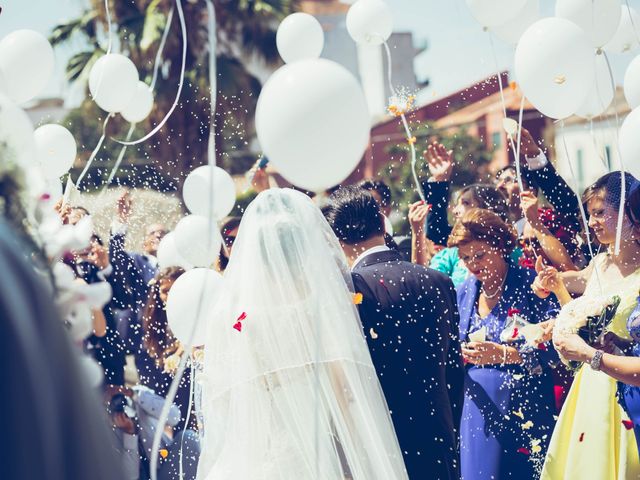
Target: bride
(289, 390)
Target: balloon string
(407, 130)
(515, 151)
(163, 41)
(623, 183)
(576, 186)
(213, 83)
(173, 388)
(519, 143)
(183, 28)
(594, 140)
(108, 14)
(95, 151)
(633, 23)
(116, 166)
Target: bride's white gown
(294, 394)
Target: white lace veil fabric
(292, 393)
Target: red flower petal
(542, 346)
(628, 424)
(512, 311)
(515, 333)
(524, 451)
(238, 326)
(242, 316)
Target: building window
(496, 139)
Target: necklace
(491, 296)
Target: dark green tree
(245, 33)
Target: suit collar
(378, 257)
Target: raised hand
(440, 162)
(529, 206)
(124, 207)
(417, 214)
(528, 146)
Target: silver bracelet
(596, 360)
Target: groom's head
(355, 218)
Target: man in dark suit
(410, 320)
(134, 269)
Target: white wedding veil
(289, 389)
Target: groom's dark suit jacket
(410, 318)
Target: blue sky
(458, 51)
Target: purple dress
(630, 395)
(508, 410)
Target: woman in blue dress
(508, 409)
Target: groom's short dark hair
(354, 215)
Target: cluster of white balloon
(312, 118)
(26, 65)
(561, 63)
(209, 193)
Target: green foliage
(245, 29)
(471, 159)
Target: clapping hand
(440, 162)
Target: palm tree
(245, 34)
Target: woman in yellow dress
(590, 440)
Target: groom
(410, 320)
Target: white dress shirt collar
(372, 250)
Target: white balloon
(491, 13)
(598, 18)
(140, 105)
(113, 81)
(601, 92)
(168, 255)
(553, 58)
(16, 135)
(26, 64)
(312, 123)
(196, 241)
(370, 22)
(511, 31)
(55, 149)
(190, 303)
(626, 36)
(197, 191)
(299, 36)
(630, 142)
(632, 83)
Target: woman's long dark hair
(157, 335)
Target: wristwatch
(596, 360)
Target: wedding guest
(409, 316)
(133, 270)
(135, 414)
(547, 234)
(591, 416)
(477, 195)
(160, 352)
(508, 396)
